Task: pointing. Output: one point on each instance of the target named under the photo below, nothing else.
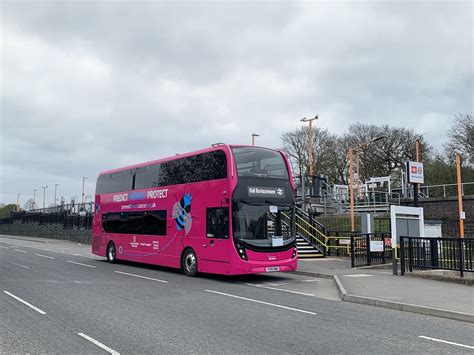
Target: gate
(370, 249)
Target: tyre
(189, 263)
(111, 253)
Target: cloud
(88, 86)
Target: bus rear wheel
(189, 263)
(111, 253)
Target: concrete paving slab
(380, 288)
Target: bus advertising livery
(223, 210)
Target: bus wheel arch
(111, 252)
(189, 262)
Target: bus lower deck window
(217, 223)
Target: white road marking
(20, 265)
(281, 289)
(358, 275)
(99, 344)
(45, 256)
(25, 303)
(312, 280)
(21, 251)
(275, 284)
(3, 247)
(261, 302)
(446, 342)
(142, 277)
(75, 262)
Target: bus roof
(214, 147)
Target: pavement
(379, 287)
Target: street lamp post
(55, 189)
(358, 175)
(44, 194)
(458, 176)
(351, 190)
(351, 175)
(253, 137)
(83, 179)
(310, 156)
(310, 142)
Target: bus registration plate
(272, 269)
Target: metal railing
(339, 244)
(311, 230)
(69, 209)
(447, 190)
(455, 254)
(370, 201)
(437, 191)
(308, 229)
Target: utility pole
(44, 195)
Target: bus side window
(217, 223)
(139, 181)
(127, 180)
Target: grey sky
(88, 86)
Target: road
(64, 300)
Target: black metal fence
(74, 216)
(370, 249)
(68, 209)
(436, 253)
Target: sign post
(415, 176)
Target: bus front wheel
(111, 253)
(189, 263)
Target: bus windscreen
(259, 162)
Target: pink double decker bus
(223, 210)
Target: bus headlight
(295, 250)
(241, 251)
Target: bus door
(217, 242)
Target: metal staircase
(306, 250)
(310, 238)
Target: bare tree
(330, 152)
(461, 137)
(29, 205)
(295, 144)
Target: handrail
(307, 235)
(442, 185)
(307, 215)
(324, 236)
